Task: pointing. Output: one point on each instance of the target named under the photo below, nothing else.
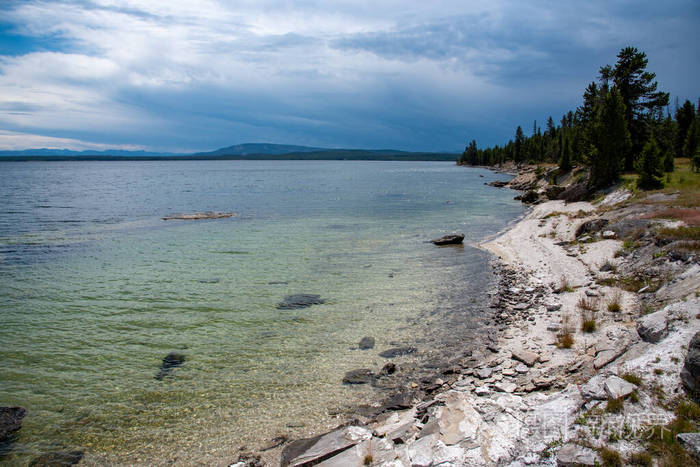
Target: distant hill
(259, 148)
(248, 151)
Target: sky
(185, 76)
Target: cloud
(181, 75)
(10, 140)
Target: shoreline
(519, 402)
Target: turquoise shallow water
(96, 289)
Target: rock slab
(616, 387)
(573, 455)
(314, 450)
(525, 356)
(691, 442)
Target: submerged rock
(360, 376)
(366, 343)
(297, 301)
(57, 459)
(397, 352)
(453, 239)
(172, 360)
(199, 215)
(10, 420)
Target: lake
(96, 289)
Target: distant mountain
(259, 148)
(248, 151)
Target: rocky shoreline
(579, 365)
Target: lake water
(95, 289)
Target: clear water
(95, 289)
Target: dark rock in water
(367, 343)
(578, 192)
(361, 376)
(388, 369)
(497, 183)
(530, 197)
(294, 302)
(199, 215)
(57, 459)
(454, 239)
(690, 374)
(172, 360)
(10, 420)
(397, 352)
(591, 226)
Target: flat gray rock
(313, 450)
(594, 389)
(360, 376)
(366, 343)
(484, 373)
(573, 455)
(397, 352)
(525, 356)
(616, 387)
(504, 386)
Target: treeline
(623, 124)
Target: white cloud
(10, 140)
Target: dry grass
(680, 233)
(565, 340)
(615, 302)
(689, 216)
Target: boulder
(10, 420)
(594, 389)
(170, 361)
(690, 374)
(454, 239)
(591, 226)
(573, 455)
(653, 327)
(397, 352)
(616, 387)
(360, 376)
(484, 373)
(314, 450)
(57, 459)
(574, 193)
(525, 356)
(366, 343)
(297, 301)
(554, 191)
(530, 197)
(609, 235)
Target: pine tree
(565, 161)
(669, 161)
(690, 148)
(684, 118)
(639, 95)
(649, 166)
(518, 149)
(611, 139)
